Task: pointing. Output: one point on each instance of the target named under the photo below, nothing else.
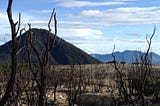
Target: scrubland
(86, 85)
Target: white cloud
(80, 3)
(4, 28)
(123, 16)
(2, 15)
(3, 21)
(90, 50)
(81, 34)
(135, 34)
(91, 13)
(45, 11)
(80, 24)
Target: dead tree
(15, 42)
(146, 66)
(100, 76)
(74, 88)
(121, 82)
(43, 59)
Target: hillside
(127, 56)
(62, 52)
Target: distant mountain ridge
(128, 56)
(62, 53)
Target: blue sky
(95, 26)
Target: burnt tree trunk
(11, 81)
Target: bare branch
(11, 81)
(19, 24)
(55, 34)
(149, 41)
(49, 23)
(34, 48)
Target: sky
(94, 26)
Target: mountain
(62, 52)
(127, 56)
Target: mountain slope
(62, 52)
(127, 56)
